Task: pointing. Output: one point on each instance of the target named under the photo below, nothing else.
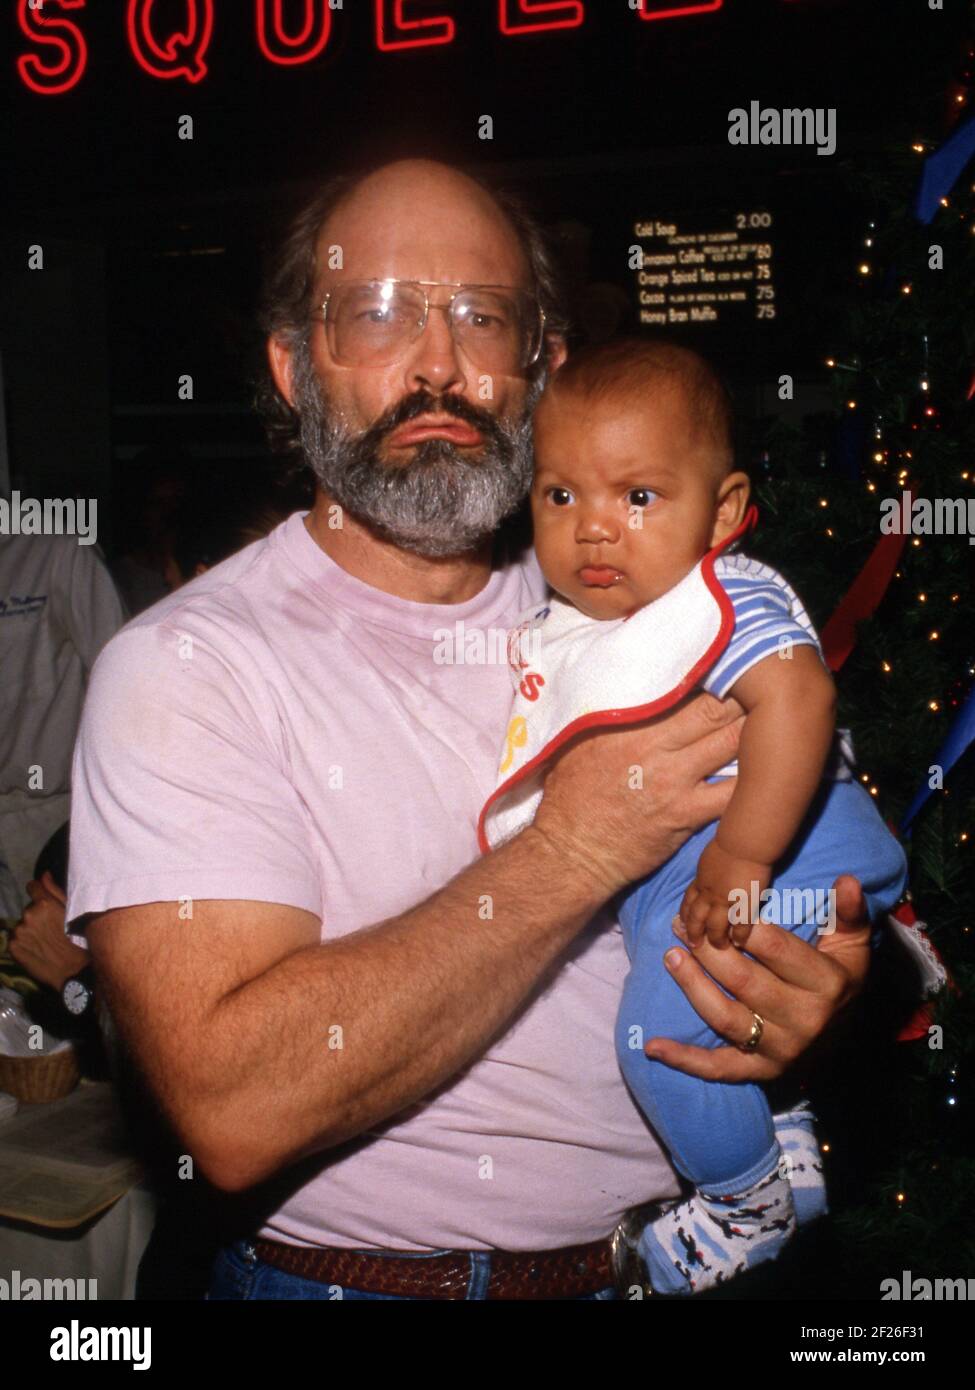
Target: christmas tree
(895, 1102)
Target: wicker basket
(37, 1079)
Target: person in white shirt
(58, 608)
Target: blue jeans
(238, 1273)
(720, 1134)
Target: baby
(636, 501)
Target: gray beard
(444, 501)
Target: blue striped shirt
(769, 619)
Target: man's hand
(619, 802)
(38, 942)
(796, 988)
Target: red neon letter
(441, 26)
(298, 48)
(566, 14)
(677, 11)
(163, 59)
(73, 56)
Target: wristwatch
(78, 992)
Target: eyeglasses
(371, 323)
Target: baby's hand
(708, 901)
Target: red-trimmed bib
(576, 673)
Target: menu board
(705, 270)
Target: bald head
(417, 219)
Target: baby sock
(804, 1166)
(708, 1239)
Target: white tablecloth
(107, 1249)
(57, 1162)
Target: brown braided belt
(570, 1272)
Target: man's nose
(434, 363)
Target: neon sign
(281, 46)
(179, 54)
(289, 33)
(62, 44)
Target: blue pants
(721, 1134)
(240, 1274)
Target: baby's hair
(637, 369)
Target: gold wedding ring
(755, 1036)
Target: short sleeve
(178, 790)
(769, 619)
(87, 602)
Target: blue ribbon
(960, 737)
(942, 169)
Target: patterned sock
(803, 1164)
(707, 1239)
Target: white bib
(587, 673)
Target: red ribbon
(839, 636)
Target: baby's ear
(732, 503)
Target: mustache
(425, 403)
(445, 501)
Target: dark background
(152, 244)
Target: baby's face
(624, 500)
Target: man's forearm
(415, 997)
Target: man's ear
(281, 361)
(733, 496)
(556, 351)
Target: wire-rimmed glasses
(371, 323)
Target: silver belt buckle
(628, 1268)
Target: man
(321, 979)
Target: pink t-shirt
(279, 730)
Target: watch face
(76, 996)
